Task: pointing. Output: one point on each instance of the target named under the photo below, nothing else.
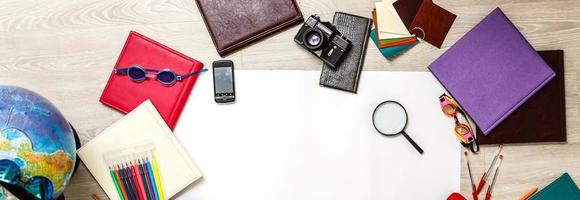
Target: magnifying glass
(390, 119)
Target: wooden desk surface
(65, 50)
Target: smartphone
(223, 81)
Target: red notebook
(123, 94)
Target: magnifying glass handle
(413, 143)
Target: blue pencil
(152, 178)
(124, 180)
(130, 182)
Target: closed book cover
(347, 73)
(542, 118)
(123, 94)
(235, 24)
(562, 188)
(491, 71)
(141, 126)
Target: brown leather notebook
(542, 118)
(235, 24)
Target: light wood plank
(65, 50)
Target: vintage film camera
(323, 40)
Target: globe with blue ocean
(35, 136)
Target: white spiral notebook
(142, 125)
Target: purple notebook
(491, 70)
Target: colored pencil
(152, 178)
(145, 179)
(125, 182)
(528, 194)
(138, 181)
(136, 177)
(157, 178)
(131, 183)
(112, 173)
(121, 185)
(141, 174)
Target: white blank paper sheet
(287, 138)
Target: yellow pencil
(157, 178)
(528, 194)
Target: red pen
(138, 182)
(490, 188)
(483, 179)
(470, 176)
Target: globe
(36, 136)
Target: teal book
(390, 52)
(562, 188)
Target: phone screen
(223, 80)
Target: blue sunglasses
(165, 76)
(11, 178)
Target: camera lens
(313, 39)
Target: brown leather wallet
(235, 24)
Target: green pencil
(112, 172)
